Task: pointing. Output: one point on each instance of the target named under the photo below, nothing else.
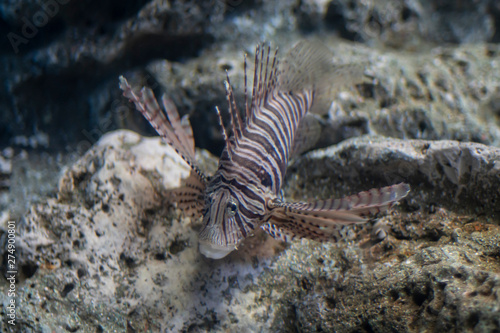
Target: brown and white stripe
(244, 193)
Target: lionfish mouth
(214, 251)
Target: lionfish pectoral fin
(323, 220)
(279, 233)
(364, 203)
(181, 127)
(189, 197)
(307, 134)
(288, 224)
(176, 132)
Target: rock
(33, 179)
(108, 253)
(109, 243)
(461, 176)
(445, 285)
(61, 56)
(409, 23)
(5, 167)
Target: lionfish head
(224, 225)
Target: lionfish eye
(231, 208)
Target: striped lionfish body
(244, 193)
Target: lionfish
(244, 193)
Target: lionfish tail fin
(309, 66)
(176, 132)
(324, 219)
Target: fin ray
(168, 125)
(309, 66)
(289, 226)
(323, 220)
(189, 197)
(265, 76)
(367, 202)
(307, 135)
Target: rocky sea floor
(98, 247)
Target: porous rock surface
(462, 176)
(110, 254)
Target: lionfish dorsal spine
(267, 74)
(225, 136)
(245, 78)
(236, 122)
(263, 83)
